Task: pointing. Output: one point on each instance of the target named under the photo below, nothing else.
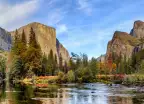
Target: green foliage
(141, 67)
(70, 76)
(93, 66)
(84, 74)
(2, 65)
(135, 79)
(33, 55)
(33, 59)
(26, 59)
(16, 71)
(61, 77)
(51, 63)
(44, 65)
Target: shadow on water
(70, 94)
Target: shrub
(61, 77)
(70, 76)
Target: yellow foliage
(114, 66)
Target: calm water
(94, 93)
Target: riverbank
(127, 80)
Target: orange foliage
(41, 85)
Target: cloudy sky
(82, 25)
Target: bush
(84, 74)
(70, 76)
(61, 77)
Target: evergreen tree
(51, 62)
(93, 66)
(16, 44)
(33, 54)
(84, 60)
(44, 64)
(24, 38)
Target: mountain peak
(37, 24)
(138, 24)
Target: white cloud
(12, 16)
(85, 5)
(55, 16)
(61, 28)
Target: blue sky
(82, 25)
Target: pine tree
(16, 44)
(33, 54)
(24, 38)
(51, 62)
(44, 64)
(93, 66)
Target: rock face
(138, 29)
(62, 50)
(122, 43)
(101, 58)
(46, 37)
(5, 40)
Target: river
(92, 93)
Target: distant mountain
(124, 44)
(138, 29)
(5, 40)
(46, 36)
(101, 58)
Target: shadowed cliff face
(122, 44)
(5, 40)
(46, 36)
(62, 50)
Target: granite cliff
(138, 29)
(5, 40)
(122, 43)
(46, 37)
(125, 44)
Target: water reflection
(69, 94)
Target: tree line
(28, 59)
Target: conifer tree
(24, 38)
(51, 62)
(23, 44)
(44, 64)
(33, 55)
(15, 48)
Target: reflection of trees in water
(120, 100)
(2, 92)
(58, 95)
(17, 95)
